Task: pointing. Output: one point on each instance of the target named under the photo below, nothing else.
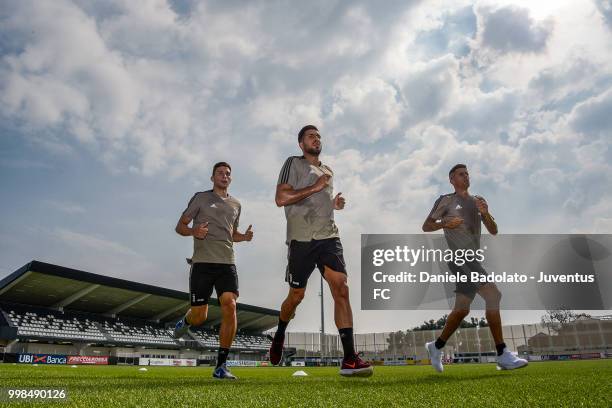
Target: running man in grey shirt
(215, 215)
(460, 215)
(305, 189)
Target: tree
(432, 324)
(400, 343)
(556, 319)
(474, 322)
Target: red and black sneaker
(276, 351)
(355, 367)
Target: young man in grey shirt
(460, 215)
(215, 215)
(305, 189)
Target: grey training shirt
(222, 215)
(313, 217)
(467, 234)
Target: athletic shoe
(435, 355)
(276, 351)
(181, 328)
(508, 361)
(355, 367)
(223, 373)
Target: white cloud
(511, 29)
(364, 108)
(547, 179)
(605, 8)
(431, 87)
(484, 115)
(593, 115)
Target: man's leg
(229, 324)
(196, 315)
(287, 312)
(459, 312)
(352, 365)
(505, 359)
(492, 297)
(201, 282)
(343, 315)
(456, 316)
(291, 302)
(226, 285)
(288, 308)
(300, 264)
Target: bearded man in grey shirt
(305, 190)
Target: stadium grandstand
(48, 309)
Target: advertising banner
(41, 359)
(93, 360)
(168, 362)
(241, 363)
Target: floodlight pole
(478, 342)
(322, 340)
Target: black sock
(500, 348)
(346, 336)
(280, 331)
(440, 343)
(222, 356)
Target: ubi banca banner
(533, 272)
(41, 358)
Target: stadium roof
(52, 286)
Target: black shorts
(304, 256)
(204, 276)
(468, 288)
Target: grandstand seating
(78, 327)
(242, 341)
(54, 325)
(138, 333)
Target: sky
(112, 114)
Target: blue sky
(112, 114)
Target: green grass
(569, 383)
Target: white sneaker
(435, 355)
(508, 361)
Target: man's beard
(314, 151)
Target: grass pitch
(567, 383)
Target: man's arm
(431, 224)
(436, 219)
(182, 228)
(490, 223)
(339, 202)
(247, 236)
(287, 195)
(487, 218)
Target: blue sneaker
(223, 373)
(181, 328)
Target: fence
(579, 337)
